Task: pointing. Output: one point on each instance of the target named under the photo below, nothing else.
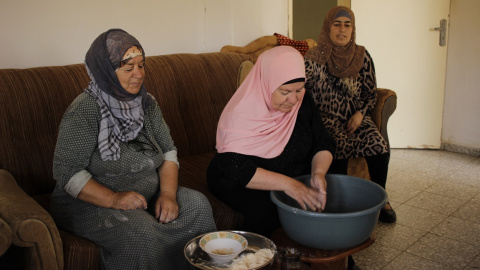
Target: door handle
(443, 32)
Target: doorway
(403, 42)
(307, 18)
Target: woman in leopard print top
(341, 78)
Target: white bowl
(223, 246)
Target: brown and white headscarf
(343, 61)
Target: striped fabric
(79, 253)
(191, 89)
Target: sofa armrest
(243, 71)
(5, 236)
(254, 48)
(259, 45)
(386, 105)
(31, 225)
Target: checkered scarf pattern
(121, 112)
(120, 121)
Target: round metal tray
(199, 259)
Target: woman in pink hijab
(270, 132)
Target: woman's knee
(193, 199)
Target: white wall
(461, 120)
(59, 32)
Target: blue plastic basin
(350, 215)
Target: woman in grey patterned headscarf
(114, 157)
(122, 110)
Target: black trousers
(377, 167)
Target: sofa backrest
(192, 90)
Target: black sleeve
(322, 140)
(232, 170)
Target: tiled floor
(436, 195)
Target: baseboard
(461, 149)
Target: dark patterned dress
(337, 104)
(128, 239)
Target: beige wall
(59, 32)
(461, 119)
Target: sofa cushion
(79, 253)
(192, 90)
(32, 103)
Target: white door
(400, 36)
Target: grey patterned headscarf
(121, 112)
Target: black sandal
(388, 215)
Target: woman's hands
(354, 122)
(320, 164)
(310, 198)
(100, 195)
(313, 198)
(319, 183)
(128, 200)
(166, 207)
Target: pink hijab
(248, 124)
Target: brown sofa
(192, 90)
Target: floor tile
(460, 230)
(455, 190)
(411, 262)
(436, 203)
(476, 198)
(401, 195)
(469, 211)
(410, 179)
(445, 251)
(403, 187)
(419, 219)
(397, 236)
(475, 264)
(436, 195)
(469, 175)
(375, 257)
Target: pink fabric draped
(249, 125)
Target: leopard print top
(338, 102)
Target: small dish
(223, 246)
(199, 259)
